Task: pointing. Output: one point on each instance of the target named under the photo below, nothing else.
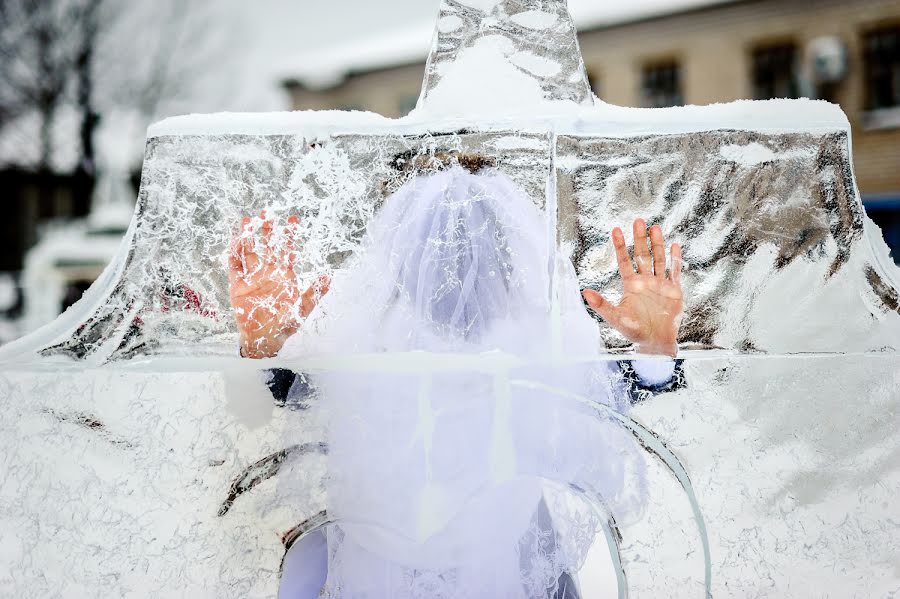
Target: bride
(438, 474)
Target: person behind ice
(452, 263)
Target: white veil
(435, 475)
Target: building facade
(844, 51)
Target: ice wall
(142, 458)
(778, 241)
(776, 238)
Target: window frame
(869, 103)
(769, 46)
(659, 65)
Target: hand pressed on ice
(265, 296)
(649, 312)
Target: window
(885, 212)
(882, 69)
(73, 292)
(775, 72)
(661, 85)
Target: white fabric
(654, 371)
(305, 568)
(434, 478)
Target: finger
(247, 249)
(266, 231)
(641, 251)
(675, 271)
(313, 294)
(658, 247)
(235, 261)
(290, 235)
(293, 222)
(600, 305)
(626, 268)
(322, 285)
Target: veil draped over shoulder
(436, 473)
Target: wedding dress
(477, 458)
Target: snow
(41, 282)
(753, 154)
(537, 65)
(267, 123)
(763, 470)
(449, 24)
(495, 81)
(485, 5)
(534, 19)
(444, 113)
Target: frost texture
(142, 458)
(758, 232)
(773, 227)
(488, 52)
(172, 296)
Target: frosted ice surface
(768, 219)
(506, 57)
(142, 458)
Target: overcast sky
(270, 34)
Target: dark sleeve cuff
(639, 390)
(279, 381)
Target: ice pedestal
(127, 425)
(114, 481)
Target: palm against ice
(268, 302)
(265, 296)
(650, 309)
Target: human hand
(649, 312)
(267, 302)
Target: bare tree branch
(96, 56)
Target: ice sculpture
(142, 458)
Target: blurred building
(33, 201)
(60, 233)
(844, 51)
(71, 254)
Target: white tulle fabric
(435, 478)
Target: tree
(95, 56)
(36, 61)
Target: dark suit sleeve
(289, 389)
